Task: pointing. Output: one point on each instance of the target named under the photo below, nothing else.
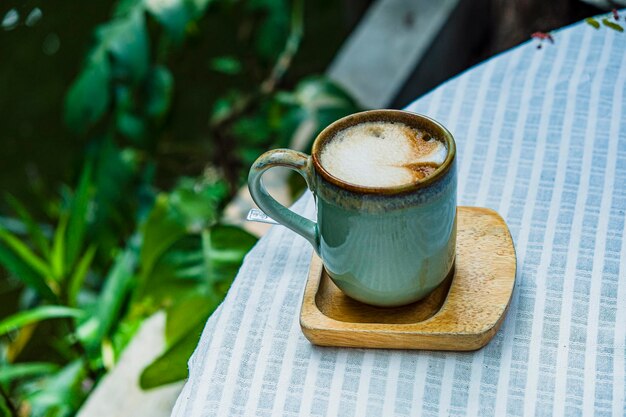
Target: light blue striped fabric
(541, 136)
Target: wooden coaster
(463, 313)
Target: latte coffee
(382, 154)
(384, 183)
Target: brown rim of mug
(414, 120)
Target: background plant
(141, 229)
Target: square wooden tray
(463, 313)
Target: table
(541, 136)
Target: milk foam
(382, 154)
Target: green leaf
(25, 273)
(132, 127)
(12, 372)
(78, 277)
(116, 289)
(319, 92)
(195, 266)
(126, 40)
(198, 202)
(125, 7)
(59, 395)
(606, 22)
(183, 255)
(226, 65)
(37, 314)
(274, 28)
(162, 228)
(125, 330)
(88, 98)
(160, 91)
(177, 274)
(224, 250)
(78, 217)
(34, 230)
(315, 99)
(593, 22)
(107, 354)
(57, 256)
(192, 206)
(171, 366)
(18, 342)
(25, 253)
(174, 16)
(5, 411)
(116, 200)
(88, 331)
(179, 320)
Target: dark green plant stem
(291, 48)
(9, 403)
(219, 127)
(280, 68)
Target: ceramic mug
(382, 246)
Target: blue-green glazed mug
(386, 246)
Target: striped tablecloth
(541, 136)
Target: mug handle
(297, 161)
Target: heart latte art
(382, 154)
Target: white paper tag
(256, 215)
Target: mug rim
(411, 119)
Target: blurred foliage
(610, 21)
(119, 245)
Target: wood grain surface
(462, 314)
